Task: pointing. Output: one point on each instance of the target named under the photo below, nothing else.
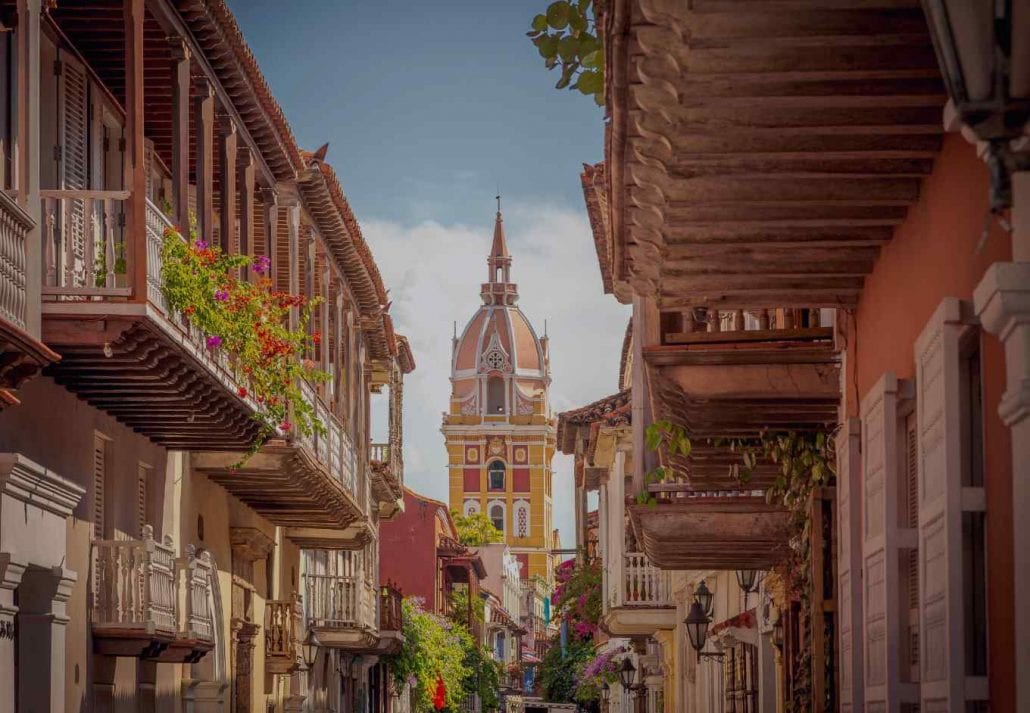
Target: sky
(429, 110)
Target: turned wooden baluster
(110, 218)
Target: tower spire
(499, 288)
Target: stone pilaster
(1002, 302)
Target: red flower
(242, 392)
(285, 426)
(316, 337)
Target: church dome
(499, 344)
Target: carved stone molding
(250, 544)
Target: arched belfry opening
(495, 396)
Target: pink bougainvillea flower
(214, 341)
(200, 245)
(285, 426)
(261, 264)
(222, 295)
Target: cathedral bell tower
(499, 432)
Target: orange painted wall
(932, 256)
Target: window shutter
(849, 565)
(99, 478)
(942, 673)
(73, 154)
(880, 544)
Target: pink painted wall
(933, 255)
(407, 547)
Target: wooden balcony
(342, 609)
(124, 353)
(309, 484)
(148, 604)
(22, 355)
(282, 635)
(639, 598)
(736, 373)
(387, 471)
(690, 529)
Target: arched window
(522, 519)
(471, 507)
(495, 395)
(497, 516)
(495, 475)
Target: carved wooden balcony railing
(126, 353)
(15, 225)
(282, 634)
(644, 585)
(148, 603)
(342, 609)
(22, 355)
(379, 452)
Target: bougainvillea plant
(434, 647)
(577, 596)
(248, 321)
(604, 668)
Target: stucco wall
(407, 549)
(934, 254)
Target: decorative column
(180, 132)
(1002, 301)
(27, 155)
(10, 577)
(227, 184)
(204, 121)
(135, 149)
(246, 157)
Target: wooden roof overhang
(135, 365)
(96, 31)
(712, 532)
(284, 484)
(759, 154)
(386, 485)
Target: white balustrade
(199, 619)
(15, 225)
(135, 584)
(379, 452)
(157, 222)
(644, 584)
(83, 243)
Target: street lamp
(777, 633)
(606, 693)
(983, 62)
(627, 674)
(747, 579)
(704, 597)
(309, 648)
(697, 631)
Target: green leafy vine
(658, 435)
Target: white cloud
(434, 272)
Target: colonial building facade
(499, 432)
(821, 231)
(148, 555)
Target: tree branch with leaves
(567, 38)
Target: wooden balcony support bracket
(705, 531)
(285, 484)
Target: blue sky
(427, 108)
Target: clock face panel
(472, 454)
(520, 455)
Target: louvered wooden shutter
(99, 481)
(942, 673)
(73, 153)
(880, 544)
(849, 565)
